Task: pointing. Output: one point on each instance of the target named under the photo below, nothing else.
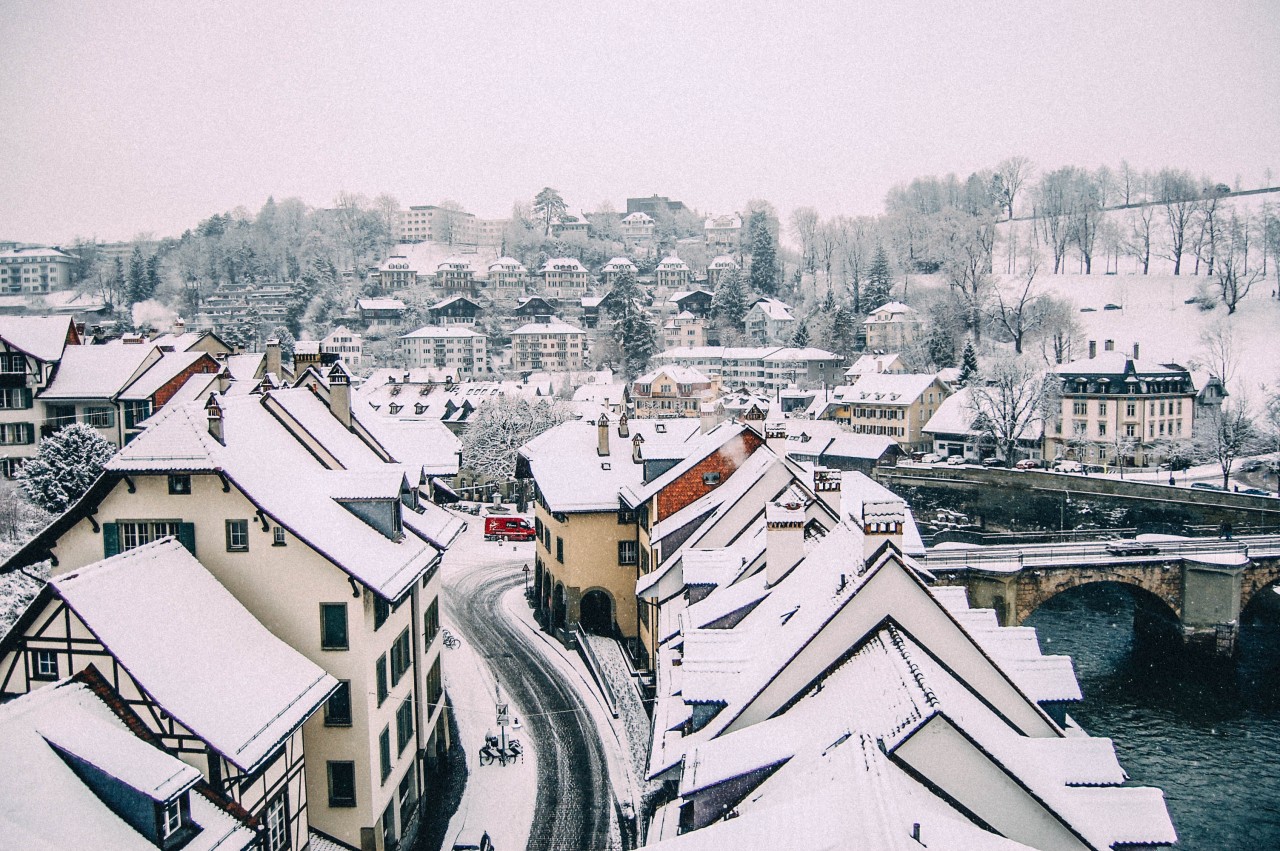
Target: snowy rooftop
(434, 332)
(99, 372)
(163, 616)
(380, 304)
(1119, 364)
(875, 363)
(161, 372)
(894, 311)
(42, 337)
(562, 264)
(957, 413)
(555, 326)
(886, 388)
(507, 264)
(774, 309)
(45, 805)
(675, 372)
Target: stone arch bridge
(1201, 586)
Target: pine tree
(879, 288)
(800, 337)
(829, 302)
(153, 275)
(941, 347)
(67, 463)
(137, 283)
(634, 334)
(729, 303)
(968, 364)
(764, 256)
(843, 332)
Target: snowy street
(560, 795)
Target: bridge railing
(1261, 545)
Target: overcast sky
(122, 118)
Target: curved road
(574, 800)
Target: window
(381, 611)
(1102, 429)
(180, 484)
(389, 826)
(333, 626)
(384, 753)
(100, 417)
(401, 656)
(711, 479)
(342, 783)
(276, 824)
(1130, 409)
(627, 552)
(1079, 409)
(16, 434)
(380, 672)
(560, 549)
(136, 533)
(1102, 408)
(237, 536)
(404, 724)
(435, 689)
(171, 819)
(12, 398)
(431, 623)
(337, 709)
(44, 665)
(408, 794)
(1130, 430)
(277, 537)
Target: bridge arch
(1156, 591)
(1264, 577)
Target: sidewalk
(498, 799)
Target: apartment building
(720, 266)
(769, 321)
(34, 270)
(429, 223)
(295, 502)
(637, 229)
(456, 275)
(684, 329)
(1121, 410)
(723, 234)
(548, 344)
(564, 278)
(446, 347)
(892, 327)
(896, 406)
(507, 276)
(672, 391)
(396, 274)
(672, 274)
(31, 348)
(757, 368)
(346, 344)
(609, 272)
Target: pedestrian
(1172, 483)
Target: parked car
(1094, 468)
(1111, 307)
(1063, 465)
(508, 529)
(1029, 464)
(994, 462)
(1205, 486)
(931, 458)
(1255, 491)
(956, 460)
(1253, 465)
(1088, 310)
(1131, 548)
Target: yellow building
(893, 405)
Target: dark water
(1207, 733)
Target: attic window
(394, 408)
(395, 391)
(711, 479)
(660, 428)
(605, 465)
(786, 616)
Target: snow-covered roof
(397, 263)
(454, 263)
(957, 413)
(731, 221)
(723, 261)
(196, 650)
(267, 456)
(46, 805)
(637, 218)
(42, 337)
(894, 311)
(34, 253)
(673, 263)
(507, 264)
(562, 264)
(572, 476)
(1119, 364)
(99, 372)
(690, 451)
(678, 374)
(880, 388)
(555, 326)
(160, 373)
(779, 311)
(617, 264)
(380, 304)
(439, 331)
(875, 363)
(790, 355)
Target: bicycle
(450, 640)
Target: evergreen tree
(829, 302)
(843, 331)
(968, 364)
(800, 337)
(941, 347)
(153, 275)
(879, 289)
(634, 334)
(137, 282)
(67, 463)
(729, 302)
(764, 256)
(286, 338)
(119, 285)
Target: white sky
(123, 118)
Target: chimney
(273, 356)
(636, 443)
(224, 380)
(214, 412)
(784, 539)
(1093, 349)
(1135, 351)
(882, 520)
(826, 484)
(179, 326)
(340, 394)
(775, 436)
(1109, 345)
(707, 418)
(623, 429)
(602, 428)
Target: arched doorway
(595, 613)
(557, 608)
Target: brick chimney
(179, 326)
(1108, 345)
(213, 411)
(784, 539)
(826, 484)
(340, 393)
(602, 434)
(273, 356)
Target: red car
(508, 529)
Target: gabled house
(769, 321)
(672, 274)
(456, 275)
(723, 234)
(507, 276)
(892, 327)
(207, 680)
(684, 329)
(306, 508)
(455, 310)
(609, 272)
(867, 364)
(396, 274)
(380, 313)
(672, 391)
(564, 277)
(534, 306)
(893, 405)
(697, 302)
(720, 266)
(956, 429)
(346, 344)
(548, 344)
(83, 771)
(30, 350)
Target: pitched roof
(160, 373)
(163, 616)
(882, 388)
(437, 331)
(99, 372)
(555, 326)
(42, 337)
(774, 309)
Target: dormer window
(170, 819)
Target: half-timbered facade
(30, 349)
(216, 688)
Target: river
(1207, 733)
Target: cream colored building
(30, 350)
(294, 501)
(507, 276)
(564, 278)
(672, 391)
(446, 346)
(549, 345)
(895, 406)
(344, 343)
(684, 329)
(34, 270)
(672, 274)
(892, 327)
(723, 234)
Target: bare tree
(1218, 350)
(1010, 174)
(1231, 277)
(965, 244)
(1129, 183)
(1008, 403)
(1019, 308)
(451, 215)
(804, 224)
(1230, 433)
(1141, 226)
(1054, 199)
(1060, 332)
(827, 246)
(1086, 203)
(1178, 193)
